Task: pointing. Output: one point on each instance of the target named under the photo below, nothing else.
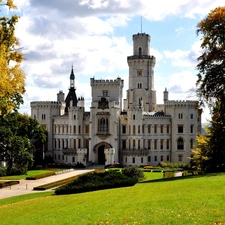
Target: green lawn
(29, 173)
(190, 200)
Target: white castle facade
(141, 133)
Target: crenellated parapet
(117, 81)
(47, 104)
(188, 103)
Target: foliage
(19, 134)
(8, 183)
(12, 78)
(168, 174)
(2, 171)
(199, 159)
(211, 85)
(174, 165)
(211, 64)
(134, 172)
(97, 181)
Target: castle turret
(141, 74)
(71, 98)
(165, 95)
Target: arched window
(74, 117)
(180, 144)
(103, 125)
(140, 51)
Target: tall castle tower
(141, 91)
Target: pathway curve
(26, 186)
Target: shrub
(96, 181)
(168, 174)
(133, 172)
(2, 171)
(8, 183)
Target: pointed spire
(72, 77)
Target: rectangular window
(149, 129)
(155, 144)
(168, 129)
(58, 157)
(79, 130)
(180, 158)
(124, 129)
(167, 144)
(87, 129)
(155, 158)
(180, 129)
(191, 129)
(161, 129)
(134, 130)
(125, 159)
(105, 93)
(87, 143)
(141, 159)
(155, 129)
(149, 144)
(180, 116)
(133, 159)
(191, 116)
(143, 129)
(73, 159)
(161, 158)
(123, 144)
(149, 158)
(161, 144)
(74, 143)
(168, 158)
(139, 144)
(133, 143)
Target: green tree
(12, 78)
(211, 82)
(19, 135)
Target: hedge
(8, 183)
(96, 181)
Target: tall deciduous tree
(12, 78)
(211, 82)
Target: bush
(168, 174)
(133, 172)
(2, 172)
(8, 183)
(96, 181)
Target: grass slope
(195, 200)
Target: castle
(141, 133)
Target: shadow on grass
(182, 178)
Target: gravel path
(26, 186)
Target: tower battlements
(117, 81)
(47, 104)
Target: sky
(95, 37)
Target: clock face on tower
(139, 72)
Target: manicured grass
(23, 176)
(188, 200)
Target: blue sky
(96, 37)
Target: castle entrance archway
(99, 148)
